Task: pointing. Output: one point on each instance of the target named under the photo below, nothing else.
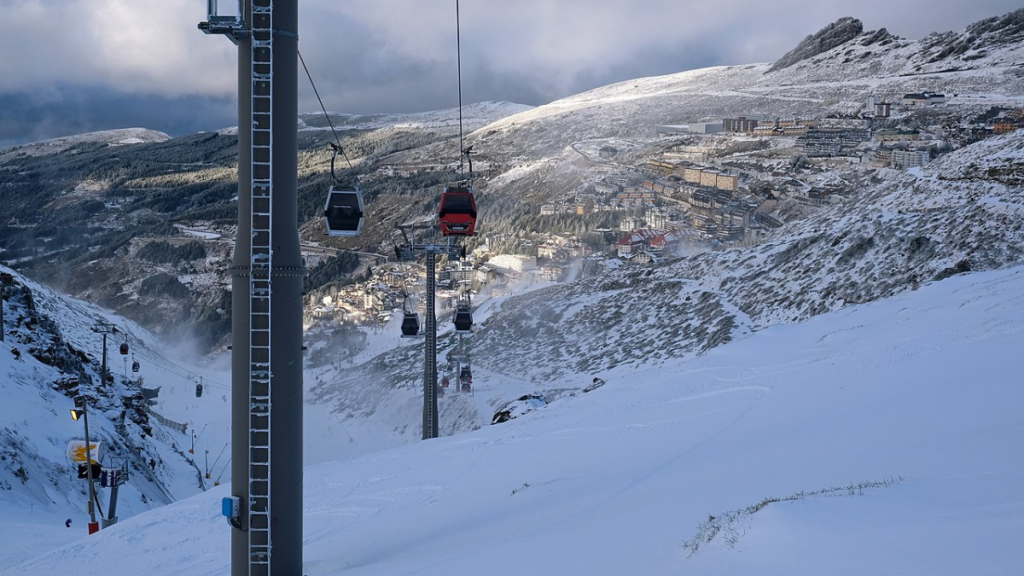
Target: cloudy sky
(72, 66)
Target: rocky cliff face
(839, 32)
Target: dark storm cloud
(75, 110)
(68, 66)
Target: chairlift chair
(457, 212)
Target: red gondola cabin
(457, 213)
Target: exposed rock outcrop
(836, 34)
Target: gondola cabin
(343, 213)
(463, 320)
(466, 378)
(457, 213)
(135, 366)
(124, 348)
(410, 325)
(199, 390)
(445, 381)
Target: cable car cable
(326, 115)
(458, 50)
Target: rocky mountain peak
(1005, 29)
(835, 34)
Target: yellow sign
(76, 451)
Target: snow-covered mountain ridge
(840, 78)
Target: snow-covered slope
(48, 341)
(883, 438)
(118, 137)
(473, 116)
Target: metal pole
(103, 369)
(285, 308)
(1, 311)
(112, 508)
(430, 426)
(93, 526)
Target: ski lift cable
(181, 370)
(326, 115)
(185, 372)
(458, 50)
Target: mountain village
(698, 194)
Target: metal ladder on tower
(430, 422)
(260, 262)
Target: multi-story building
(709, 178)
(635, 241)
(897, 135)
(585, 207)
(705, 127)
(825, 142)
(881, 158)
(1004, 126)
(728, 182)
(741, 124)
(909, 158)
(923, 99)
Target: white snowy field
(890, 433)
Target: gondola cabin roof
(343, 212)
